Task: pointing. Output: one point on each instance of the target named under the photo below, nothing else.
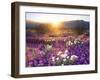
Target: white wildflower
(74, 58)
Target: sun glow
(56, 24)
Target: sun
(56, 24)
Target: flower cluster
(58, 51)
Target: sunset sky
(54, 18)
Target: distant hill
(77, 24)
(30, 25)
